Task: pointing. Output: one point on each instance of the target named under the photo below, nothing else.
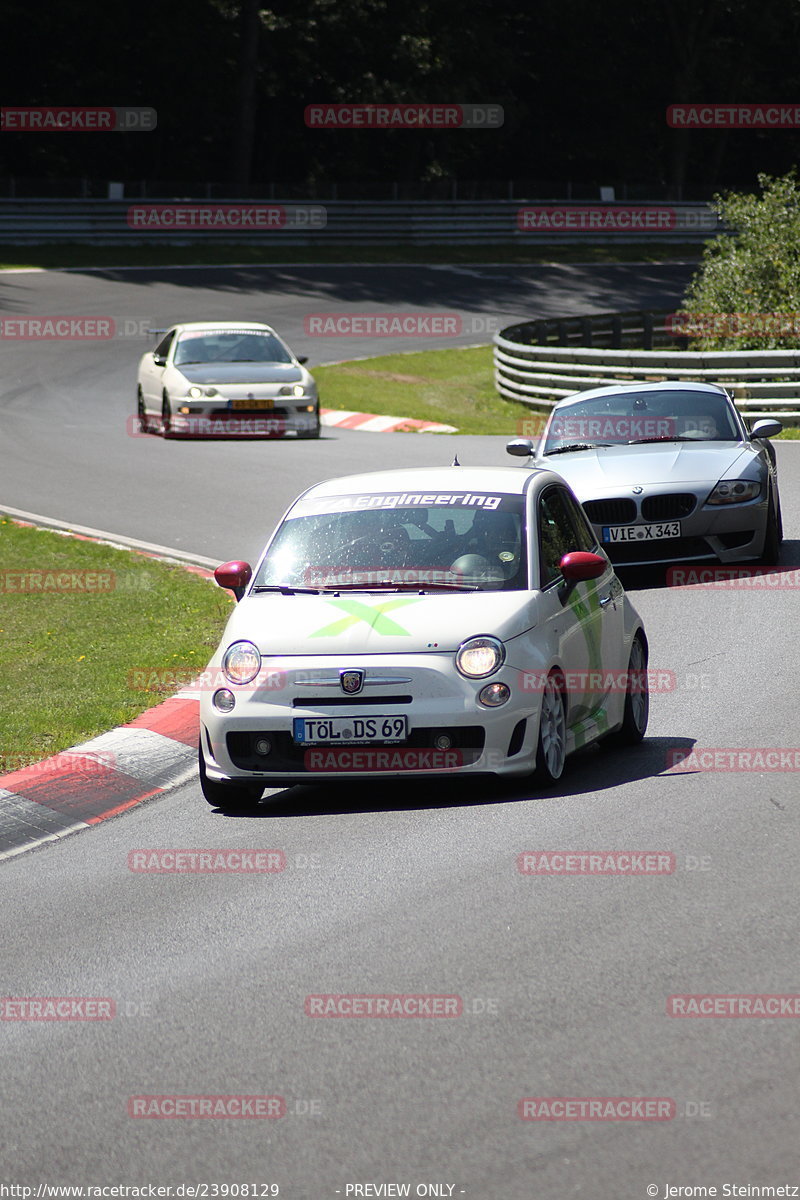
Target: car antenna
(455, 462)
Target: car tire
(230, 797)
(141, 415)
(551, 749)
(773, 536)
(166, 416)
(637, 698)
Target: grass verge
(68, 657)
(452, 386)
(455, 387)
(207, 253)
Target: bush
(753, 270)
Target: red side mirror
(235, 576)
(580, 565)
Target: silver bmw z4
(666, 472)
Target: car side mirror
(580, 565)
(159, 359)
(577, 567)
(520, 447)
(234, 576)
(302, 359)
(765, 429)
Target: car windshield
(230, 345)
(641, 417)
(449, 540)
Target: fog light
(494, 694)
(309, 408)
(263, 746)
(184, 408)
(443, 741)
(223, 700)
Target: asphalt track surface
(396, 888)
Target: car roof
(507, 480)
(668, 385)
(199, 325)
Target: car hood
(608, 468)
(376, 623)
(243, 372)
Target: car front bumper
(436, 701)
(212, 422)
(727, 533)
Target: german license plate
(326, 731)
(614, 534)
(251, 404)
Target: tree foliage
(752, 273)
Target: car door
(583, 621)
(152, 373)
(607, 593)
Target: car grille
(339, 701)
(286, 755)
(668, 508)
(610, 512)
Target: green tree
(755, 269)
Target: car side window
(584, 534)
(557, 535)
(162, 349)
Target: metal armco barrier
(539, 362)
(356, 222)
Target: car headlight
(241, 662)
(734, 491)
(480, 656)
(195, 392)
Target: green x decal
(373, 615)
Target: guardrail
(424, 221)
(539, 362)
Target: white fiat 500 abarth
(422, 622)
